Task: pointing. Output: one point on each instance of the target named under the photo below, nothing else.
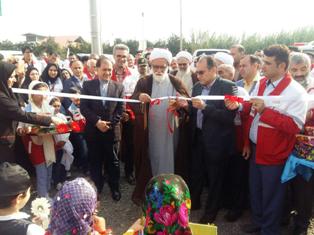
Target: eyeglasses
(183, 64)
(201, 72)
(156, 67)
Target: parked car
(8, 53)
(199, 52)
(304, 46)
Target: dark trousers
(22, 157)
(127, 148)
(300, 199)
(7, 153)
(80, 150)
(267, 195)
(58, 169)
(202, 166)
(102, 152)
(236, 184)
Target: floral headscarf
(73, 208)
(167, 206)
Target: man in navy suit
(102, 130)
(212, 136)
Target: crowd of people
(235, 147)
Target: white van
(7, 53)
(199, 52)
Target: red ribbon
(234, 98)
(155, 102)
(175, 114)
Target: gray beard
(161, 78)
(181, 74)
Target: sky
(123, 18)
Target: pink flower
(166, 216)
(183, 218)
(147, 220)
(162, 233)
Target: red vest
(273, 145)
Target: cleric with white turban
(159, 53)
(185, 55)
(223, 58)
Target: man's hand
(172, 104)
(231, 105)
(103, 126)
(99, 224)
(198, 103)
(145, 98)
(125, 117)
(24, 131)
(246, 152)
(258, 104)
(182, 103)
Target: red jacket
(276, 131)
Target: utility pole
(181, 35)
(142, 42)
(95, 27)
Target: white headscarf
(46, 140)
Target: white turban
(224, 57)
(158, 53)
(185, 55)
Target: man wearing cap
(185, 73)
(154, 140)
(15, 185)
(129, 84)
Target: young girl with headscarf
(41, 149)
(166, 208)
(73, 210)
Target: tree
(48, 46)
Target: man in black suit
(103, 126)
(212, 136)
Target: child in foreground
(15, 189)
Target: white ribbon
(203, 97)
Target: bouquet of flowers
(70, 126)
(304, 147)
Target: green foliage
(83, 47)
(197, 40)
(47, 46)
